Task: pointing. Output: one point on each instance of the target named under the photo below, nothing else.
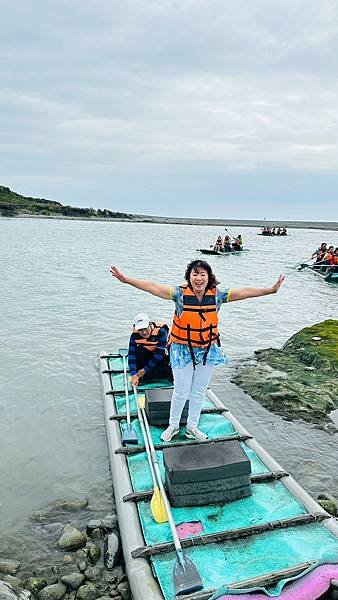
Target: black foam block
(157, 406)
(204, 462)
(220, 497)
(211, 486)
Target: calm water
(59, 307)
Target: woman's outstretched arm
(156, 289)
(243, 293)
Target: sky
(193, 108)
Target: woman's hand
(243, 293)
(278, 283)
(118, 274)
(156, 289)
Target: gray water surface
(59, 307)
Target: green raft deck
(274, 534)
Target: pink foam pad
(185, 530)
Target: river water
(59, 307)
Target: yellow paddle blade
(141, 401)
(158, 509)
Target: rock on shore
(82, 565)
(301, 379)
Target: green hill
(13, 204)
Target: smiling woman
(194, 337)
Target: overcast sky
(205, 108)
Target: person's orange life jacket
(197, 326)
(329, 257)
(151, 342)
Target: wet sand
(324, 225)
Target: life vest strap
(199, 309)
(193, 301)
(203, 329)
(198, 344)
(191, 350)
(208, 348)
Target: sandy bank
(324, 225)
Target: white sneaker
(169, 433)
(195, 434)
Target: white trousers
(189, 384)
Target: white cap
(141, 321)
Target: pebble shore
(89, 567)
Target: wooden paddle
(129, 436)
(185, 574)
(229, 232)
(304, 264)
(157, 506)
(234, 238)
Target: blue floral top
(180, 353)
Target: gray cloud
(111, 90)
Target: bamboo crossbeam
(130, 450)
(232, 534)
(260, 478)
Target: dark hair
(201, 264)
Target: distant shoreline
(325, 226)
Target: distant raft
(243, 521)
(218, 253)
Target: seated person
(218, 244)
(320, 252)
(237, 244)
(148, 358)
(227, 244)
(328, 258)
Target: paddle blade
(141, 401)
(186, 576)
(157, 506)
(123, 352)
(129, 436)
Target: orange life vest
(198, 324)
(151, 342)
(330, 258)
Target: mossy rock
(300, 379)
(329, 505)
(323, 351)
